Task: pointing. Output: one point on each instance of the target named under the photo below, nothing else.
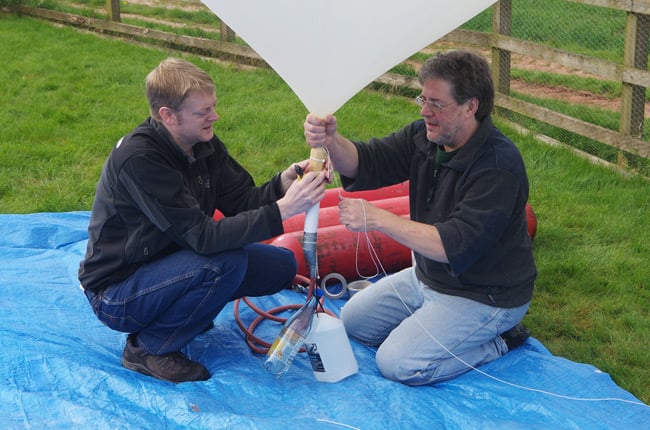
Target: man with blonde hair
(158, 264)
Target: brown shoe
(172, 367)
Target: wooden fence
(632, 74)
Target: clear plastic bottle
(291, 337)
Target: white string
(374, 257)
(522, 387)
(337, 423)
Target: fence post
(637, 29)
(227, 34)
(113, 9)
(501, 25)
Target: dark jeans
(170, 301)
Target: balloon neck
(317, 158)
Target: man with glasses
(461, 304)
(159, 265)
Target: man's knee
(287, 261)
(398, 366)
(394, 367)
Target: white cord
(323, 420)
(371, 250)
(374, 257)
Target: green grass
(581, 28)
(69, 95)
(607, 89)
(192, 22)
(592, 246)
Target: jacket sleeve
(384, 161)
(164, 199)
(236, 191)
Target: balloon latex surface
(328, 50)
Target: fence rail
(631, 73)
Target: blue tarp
(60, 367)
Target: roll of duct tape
(338, 277)
(356, 286)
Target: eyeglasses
(433, 105)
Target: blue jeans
(424, 337)
(170, 301)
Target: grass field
(68, 96)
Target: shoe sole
(137, 367)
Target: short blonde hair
(169, 84)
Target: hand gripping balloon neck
(317, 159)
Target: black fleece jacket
(477, 202)
(152, 200)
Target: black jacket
(477, 202)
(151, 200)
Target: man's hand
(302, 194)
(319, 131)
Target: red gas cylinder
(329, 215)
(332, 194)
(332, 197)
(348, 253)
(531, 218)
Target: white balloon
(328, 50)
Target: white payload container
(329, 350)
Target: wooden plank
(467, 37)
(553, 142)
(501, 24)
(635, 55)
(636, 77)
(605, 69)
(113, 9)
(227, 33)
(396, 80)
(219, 49)
(591, 131)
(636, 6)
